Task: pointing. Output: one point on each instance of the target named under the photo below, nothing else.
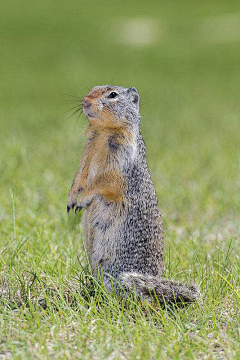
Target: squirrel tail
(167, 291)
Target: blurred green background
(184, 59)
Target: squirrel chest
(97, 157)
(102, 221)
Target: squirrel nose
(86, 103)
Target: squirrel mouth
(87, 112)
(91, 115)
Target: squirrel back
(123, 226)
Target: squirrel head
(112, 106)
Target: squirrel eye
(112, 95)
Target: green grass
(188, 80)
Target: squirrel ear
(134, 95)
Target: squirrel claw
(70, 207)
(78, 208)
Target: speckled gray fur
(140, 248)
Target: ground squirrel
(122, 223)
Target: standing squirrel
(122, 223)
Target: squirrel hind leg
(166, 291)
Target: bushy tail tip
(167, 291)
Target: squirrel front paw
(84, 202)
(72, 198)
